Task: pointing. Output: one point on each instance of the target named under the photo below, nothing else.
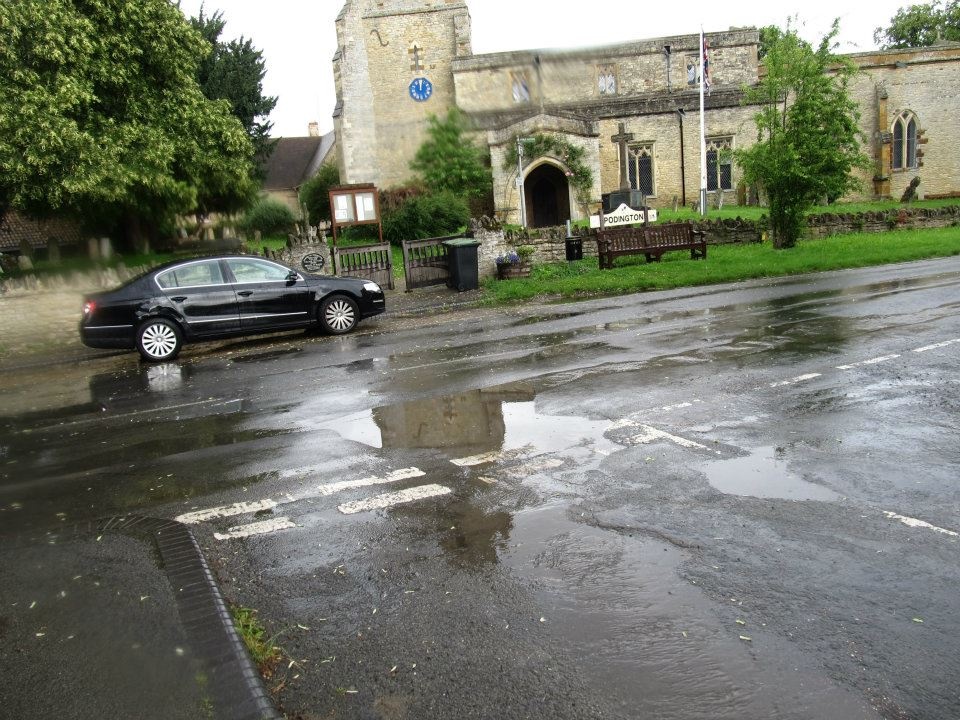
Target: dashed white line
(872, 361)
(240, 508)
(395, 476)
(937, 346)
(913, 522)
(794, 381)
(380, 502)
(257, 528)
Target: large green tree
(921, 26)
(234, 71)
(101, 116)
(447, 160)
(808, 139)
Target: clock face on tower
(421, 89)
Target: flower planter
(510, 270)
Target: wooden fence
(372, 262)
(426, 262)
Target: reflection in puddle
(479, 421)
(163, 377)
(762, 474)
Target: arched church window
(719, 163)
(640, 168)
(906, 133)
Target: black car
(216, 297)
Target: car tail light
(88, 307)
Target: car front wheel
(338, 314)
(158, 340)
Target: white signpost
(623, 215)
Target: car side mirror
(292, 276)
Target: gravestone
(910, 194)
(53, 250)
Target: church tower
(392, 70)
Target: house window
(607, 79)
(640, 168)
(521, 88)
(719, 164)
(905, 136)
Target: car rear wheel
(338, 314)
(158, 340)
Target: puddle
(763, 474)
(536, 319)
(479, 421)
(645, 635)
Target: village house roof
(295, 160)
(14, 228)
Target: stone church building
(400, 61)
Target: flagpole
(703, 136)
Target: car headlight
(372, 287)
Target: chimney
(313, 129)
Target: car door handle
(245, 293)
(179, 298)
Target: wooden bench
(652, 241)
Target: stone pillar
(106, 248)
(93, 248)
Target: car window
(247, 270)
(192, 275)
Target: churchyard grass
(725, 263)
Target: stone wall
(299, 247)
(550, 243)
(819, 226)
(923, 81)
(484, 83)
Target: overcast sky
(298, 39)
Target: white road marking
(522, 471)
(650, 434)
(633, 419)
(239, 508)
(913, 522)
(395, 476)
(937, 346)
(379, 502)
(794, 381)
(478, 459)
(257, 528)
(873, 361)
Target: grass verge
(261, 647)
(725, 263)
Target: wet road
(731, 502)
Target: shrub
(426, 216)
(315, 193)
(268, 216)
